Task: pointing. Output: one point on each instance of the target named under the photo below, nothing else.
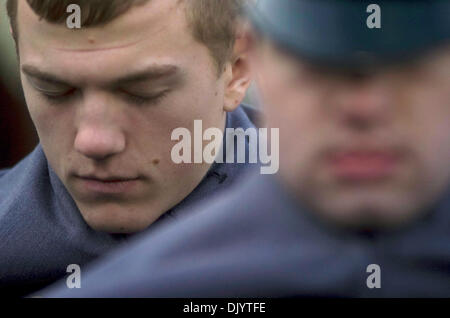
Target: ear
(237, 74)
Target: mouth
(362, 165)
(107, 185)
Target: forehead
(156, 25)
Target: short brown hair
(213, 22)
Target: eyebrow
(153, 72)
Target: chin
(118, 220)
(371, 212)
(113, 228)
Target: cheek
(32, 101)
(296, 111)
(39, 112)
(203, 102)
(291, 101)
(301, 130)
(180, 110)
(52, 124)
(432, 139)
(427, 116)
(152, 127)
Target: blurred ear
(254, 48)
(237, 74)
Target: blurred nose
(98, 136)
(364, 103)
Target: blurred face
(105, 100)
(360, 150)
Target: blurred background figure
(17, 134)
(361, 206)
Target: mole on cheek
(155, 161)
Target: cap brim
(336, 32)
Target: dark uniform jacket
(42, 230)
(258, 241)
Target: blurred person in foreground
(364, 118)
(105, 100)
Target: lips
(108, 179)
(363, 165)
(107, 185)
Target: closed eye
(143, 100)
(50, 89)
(55, 94)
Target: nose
(99, 134)
(364, 104)
(98, 142)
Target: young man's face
(360, 150)
(107, 108)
